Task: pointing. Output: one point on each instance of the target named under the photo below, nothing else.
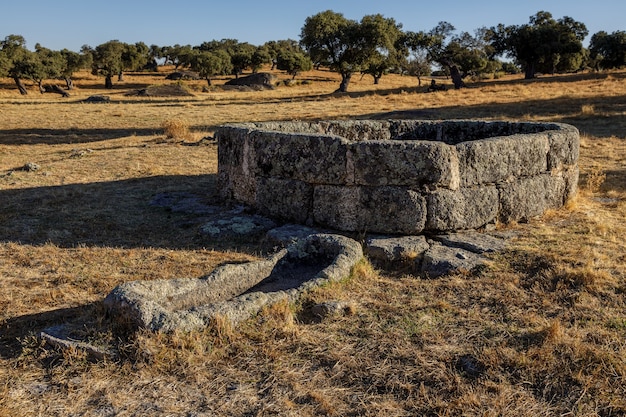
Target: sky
(73, 23)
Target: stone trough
(235, 291)
(399, 177)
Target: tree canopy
(608, 50)
(209, 64)
(107, 60)
(347, 46)
(542, 45)
(374, 45)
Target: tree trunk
(69, 83)
(457, 79)
(54, 89)
(345, 80)
(41, 87)
(208, 80)
(108, 83)
(20, 86)
(120, 76)
(376, 79)
(419, 80)
(529, 72)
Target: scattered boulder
(183, 75)
(262, 79)
(97, 99)
(441, 255)
(30, 167)
(472, 241)
(170, 90)
(79, 153)
(332, 309)
(441, 260)
(395, 249)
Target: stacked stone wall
(401, 176)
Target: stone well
(399, 176)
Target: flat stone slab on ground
(393, 249)
(237, 227)
(472, 241)
(60, 336)
(287, 234)
(440, 260)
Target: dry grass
(176, 129)
(540, 332)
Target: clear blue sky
(72, 23)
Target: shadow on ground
(120, 214)
(14, 332)
(67, 136)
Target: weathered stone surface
(465, 208)
(393, 249)
(530, 197)
(410, 163)
(500, 159)
(288, 199)
(97, 99)
(287, 234)
(332, 309)
(30, 167)
(440, 260)
(374, 175)
(356, 130)
(59, 337)
(260, 78)
(235, 291)
(564, 147)
(235, 157)
(570, 176)
(472, 241)
(370, 209)
(314, 159)
(170, 90)
(337, 207)
(237, 227)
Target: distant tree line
(373, 46)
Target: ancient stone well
(400, 176)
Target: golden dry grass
(541, 331)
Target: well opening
(400, 176)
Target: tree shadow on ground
(15, 331)
(67, 136)
(118, 214)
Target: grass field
(541, 331)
